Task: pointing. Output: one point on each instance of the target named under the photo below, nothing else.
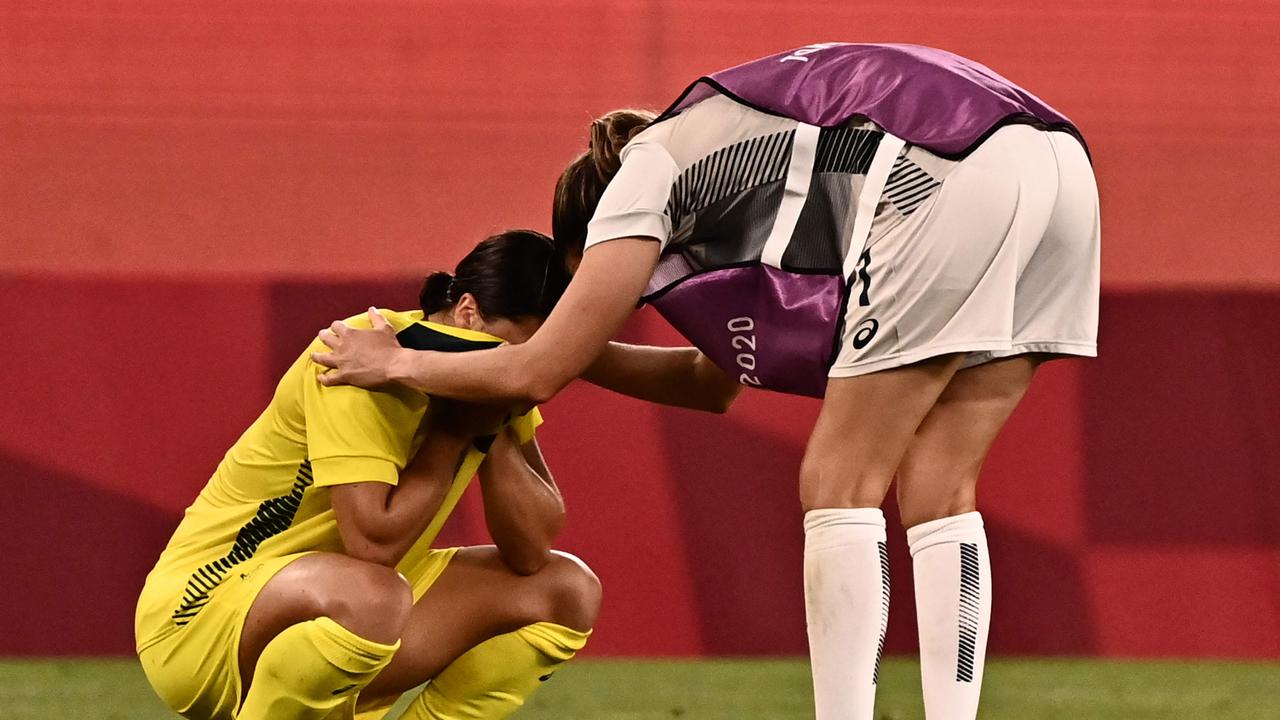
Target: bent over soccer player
(302, 584)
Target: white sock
(953, 610)
(846, 593)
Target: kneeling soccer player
(302, 584)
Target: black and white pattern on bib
(729, 171)
(909, 186)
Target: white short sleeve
(635, 203)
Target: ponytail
(611, 133)
(582, 183)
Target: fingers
(377, 320)
(337, 327)
(325, 359)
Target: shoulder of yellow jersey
(414, 331)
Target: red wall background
(187, 194)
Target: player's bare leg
(939, 472)
(317, 633)
(487, 637)
(937, 484)
(369, 600)
(862, 433)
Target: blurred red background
(188, 193)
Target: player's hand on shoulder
(361, 357)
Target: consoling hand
(358, 357)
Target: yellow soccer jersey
(269, 496)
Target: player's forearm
(410, 509)
(386, 524)
(603, 293)
(502, 375)
(524, 519)
(681, 377)
(523, 511)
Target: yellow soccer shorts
(196, 669)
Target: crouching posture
(302, 584)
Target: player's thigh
(938, 474)
(370, 600)
(196, 668)
(477, 597)
(863, 429)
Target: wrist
(400, 368)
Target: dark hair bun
(435, 292)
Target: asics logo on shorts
(866, 333)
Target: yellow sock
(493, 679)
(310, 670)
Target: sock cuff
(966, 527)
(557, 642)
(347, 650)
(835, 527)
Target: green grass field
(739, 690)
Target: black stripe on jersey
(908, 186)
(420, 337)
(729, 171)
(273, 517)
(846, 150)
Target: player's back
(269, 495)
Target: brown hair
(582, 183)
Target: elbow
(539, 394)
(535, 381)
(539, 389)
(532, 552)
(383, 555)
(371, 551)
(720, 401)
(528, 562)
(717, 389)
(720, 404)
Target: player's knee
(831, 483)
(574, 593)
(917, 507)
(372, 601)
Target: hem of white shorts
(1057, 347)
(1049, 347)
(867, 367)
(991, 350)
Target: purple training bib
(928, 97)
(778, 327)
